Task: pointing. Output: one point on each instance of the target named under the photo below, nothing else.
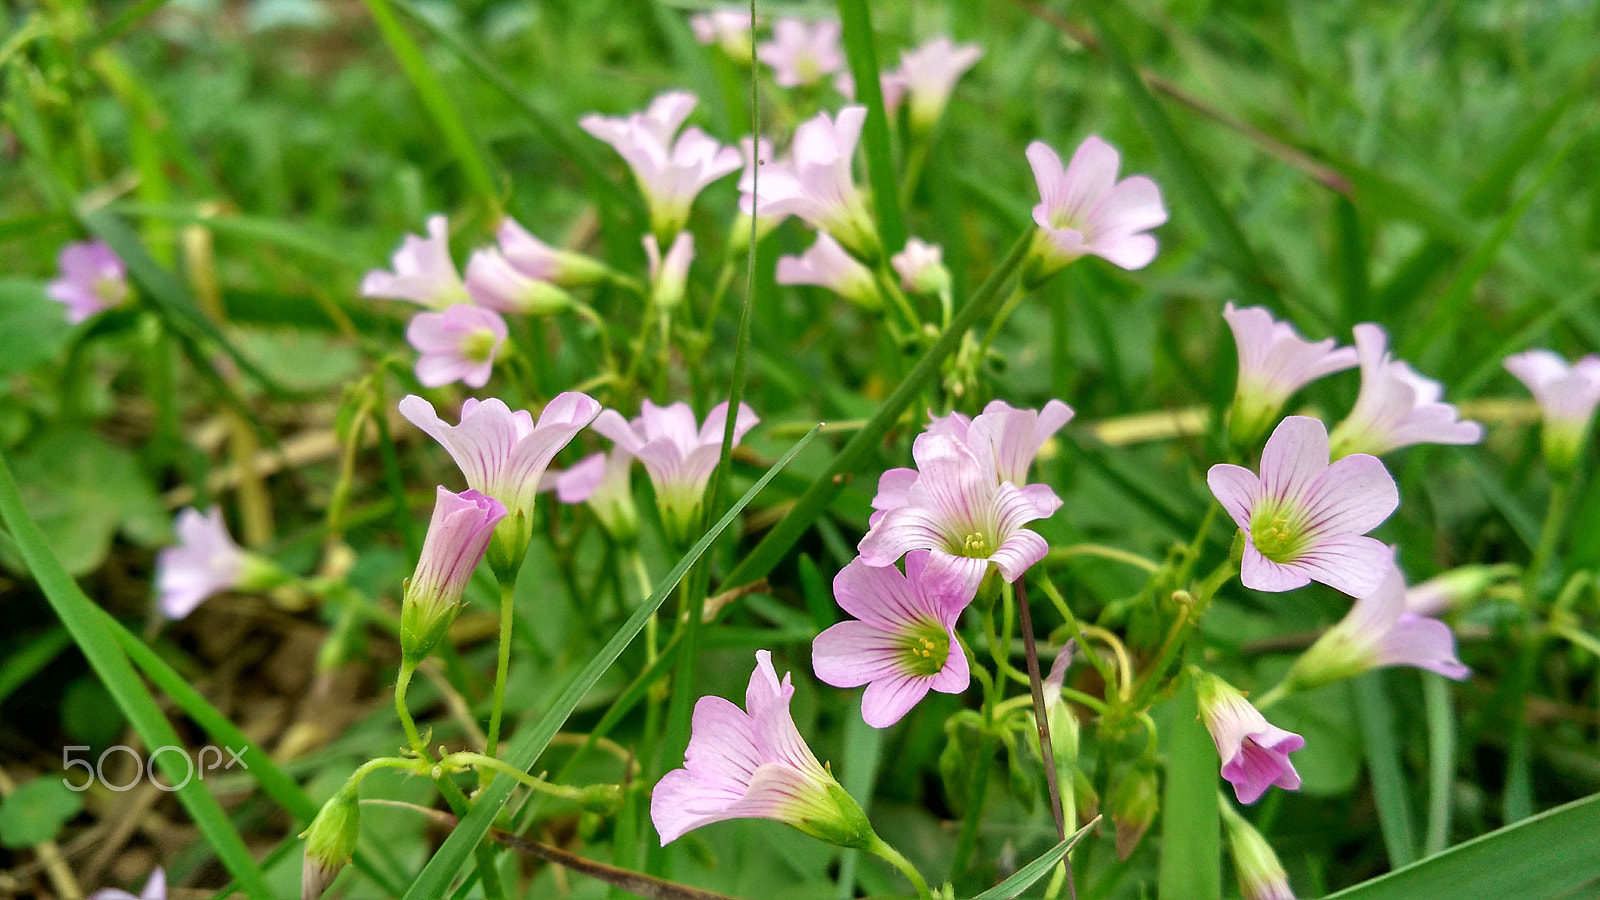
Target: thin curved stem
(883, 851)
(401, 685)
(502, 666)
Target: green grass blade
(856, 18)
(1389, 788)
(1441, 760)
(435, 878)
(469, 154)
(1024, 877)
(828, 485)
(1192, 184)
(34, 654)
(1550, 855)
(1191, 820)
(85, 622)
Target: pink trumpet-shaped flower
(154, 889)
(671, 169)
(1305, 520)
(753, 764)
(678, 456)
(1255, 753)
(1396, 407)
(728, 29)
(1378, 632)
(536, 259)
(828, 265)
(802, 52)
(891, 85)
(956, 508)
(1085, 210)
(205, 562)
(495, 283)
(902, 641)
(921, 267)
(93, 278)
(601, 480)
(423, 271)
(458, 344)
(457, 537)
(669, 275)
(1567, 396)
(1274, 362)
(930, 73)
(815, 183)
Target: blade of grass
(469, 154)
(1549, 855)
(35, 653)
(856, 18)
(1441, 760)
(83, 620)
(828, 485)
(1024, 877)
(1191, 820)
(530, 743)
(1389, 789)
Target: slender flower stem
(886, 281)
(503, 666)
(1018, 294)
(1549, 535)
(1100, 665)
(1278, 692)
(1185, 626)
(480, 761)
(724, 281)
(1036, 683)
(588, 314)
(401, 685)
(884, 851)
(1104, 552)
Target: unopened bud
(1261, 876)
(1134, 807)
(330, 840)
(604, 799)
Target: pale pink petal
(886, 700)
(1237, 489)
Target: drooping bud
(457, 537)
(1261, 876)
(330, 840)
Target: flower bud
(457, 536)
(1133, 807)
(1457, 587)
(669, 275)
(1261, 876)
(603, 799)
(330, 839)
(921, 268)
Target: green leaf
(1191, 820)
(84, 621)
(1550, 855)
(435, 878)
(856, 18)
(35, 812)
(33, 327)
(1375, 715)
(1024, 877)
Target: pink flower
(930, 73)
(458, 344)
(207, 562)
(955, 507)
(828, 265)
(753, 764)
(423, 271)
(503, 453)
(1459, 586)
(1567, 397)
(601, 480)
(93, 278)
(802, 52)
(669, 275)
(1085, 210)
(678, 456)
(816, 183)
(921, 267)
(902, 642)
(538, 260)
(457, 537)
(891, 84)
(1378, 632)
(496, 284)
(671, 174)
(1261, 876)
(1274, 362)
(1255, 753)
(1304, 520)
(154, 889)
(1396, 407)
(727, 28)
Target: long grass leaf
(531, 742)
(856, 18)
(83, 620)
(1389, 787)
(1441, 760)
(1024, 877)
(1191, 820)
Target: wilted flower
(1261, 876)
(601, 480)
(423, 271)
(504, 454)
(670, 173)
(1396, 407)
(678, 457)
(930, 73)
(728, 29)
(1567, 395)
(496, 284)
(1304, 520)
(1274, 362)
(1378, 632)
(457, 537)
(669, 276)
(538, 260)
(93, 278)
(802, 52)
(815, 183)
(206, 562)
(902, 641)
(1085, 210)
(458, 344)
(1255, 753)
(330, 840)
(753, 764)
(828, 265)
(921, 268)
